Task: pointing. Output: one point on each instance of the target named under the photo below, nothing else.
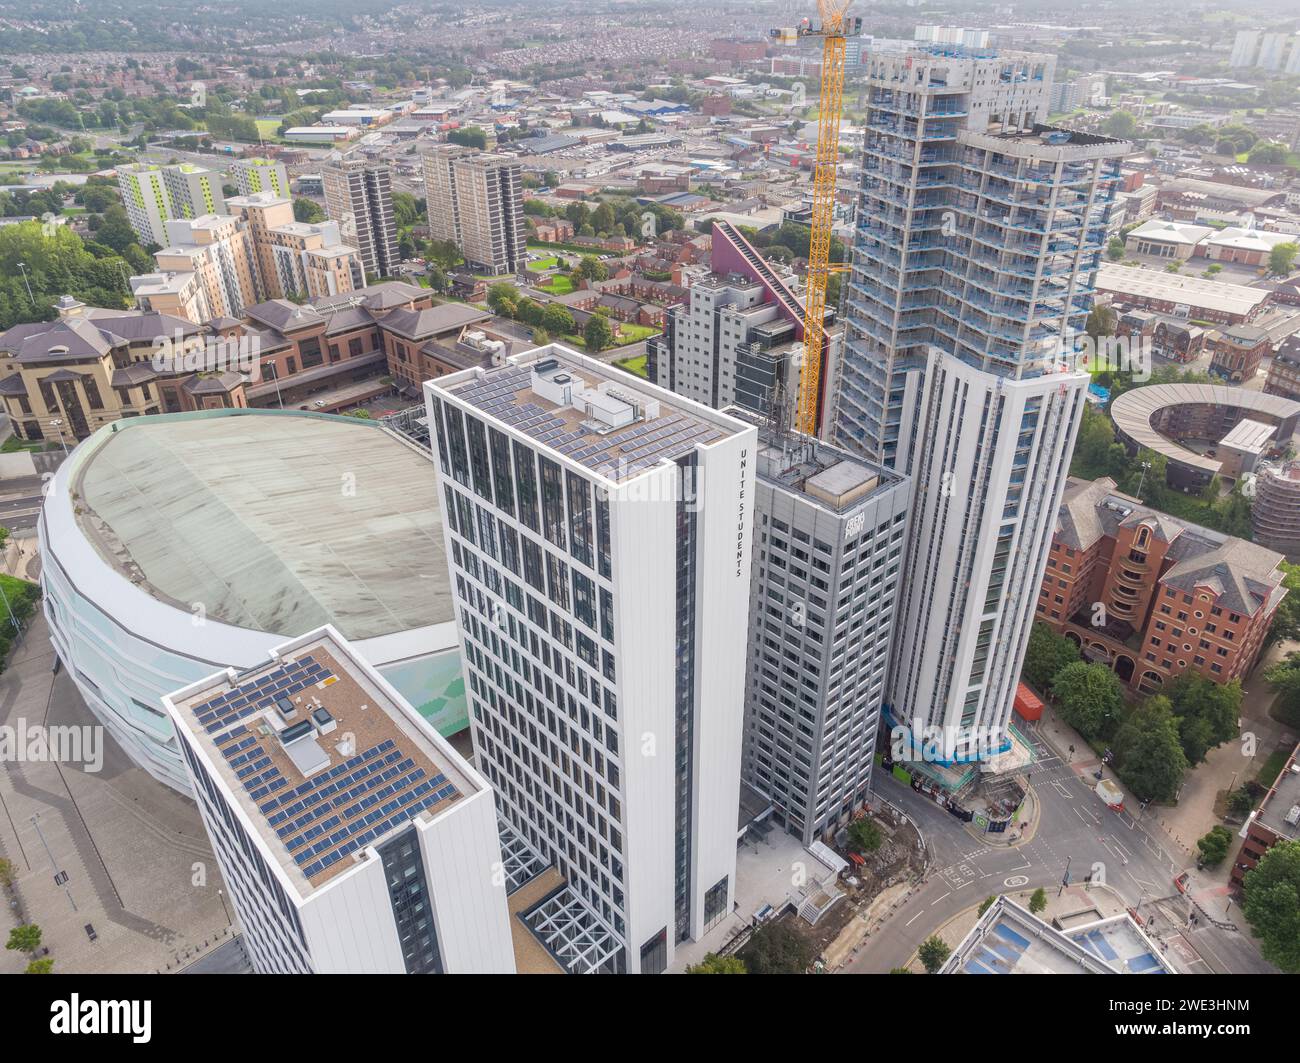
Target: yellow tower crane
(834, 29)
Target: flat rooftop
(1280, 809)
(833, 478)
(611, 424)
(278, 523)
(319, 757)
(1138, 283)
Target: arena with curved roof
(1165, 418)
(177, 545)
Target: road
(1074, 826)
(20, 513)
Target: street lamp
(23, 266)
(57, 425)
(1142, 479)
(275, 375)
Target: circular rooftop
(270, 521)
(1135, 411)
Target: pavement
(113, 866)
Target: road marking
(914, 918)
(944, 897)
(1080, 815)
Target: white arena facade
(177, 545)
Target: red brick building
(1237, 350)
(1277, 819)
(1153, 596)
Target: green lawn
(560, 284)
(575, 248)
(633, 365)
(550, 262)
(635, 333)
(267, 127)
(1272, 767)
(14, 444)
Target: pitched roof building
(1153, 596)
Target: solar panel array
(617, 454)
(285, 681)
(336, 812)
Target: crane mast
(834, 29)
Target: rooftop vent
(301, 729)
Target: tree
(1148, 752)
(541, 337)
(1096, 452)
(1046, 654)
(6, 872)
(470, 137)
(1121, 125)
(1213, 846)
(1091, 698)
(1284, 678)
(933, 954)
(307, 210)
(502, 299)
(1281, 258)
(590, 268)
(406, 210)
(1038, 900)
(1267, 153)
(776, 948)
(865, 835)
(987, 903)
(715, 964)
(529, 311)
(557, 320)
(1101, 322)
(597, 335)
(1286, 619)
(1272, 905)
(1207, 713)
(899, 970)
(1115, 249)
(115, 231)
(45, 965)
(25, 938)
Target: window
(501, 476)
(552, 502)
(526, 486)
(579, 518)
